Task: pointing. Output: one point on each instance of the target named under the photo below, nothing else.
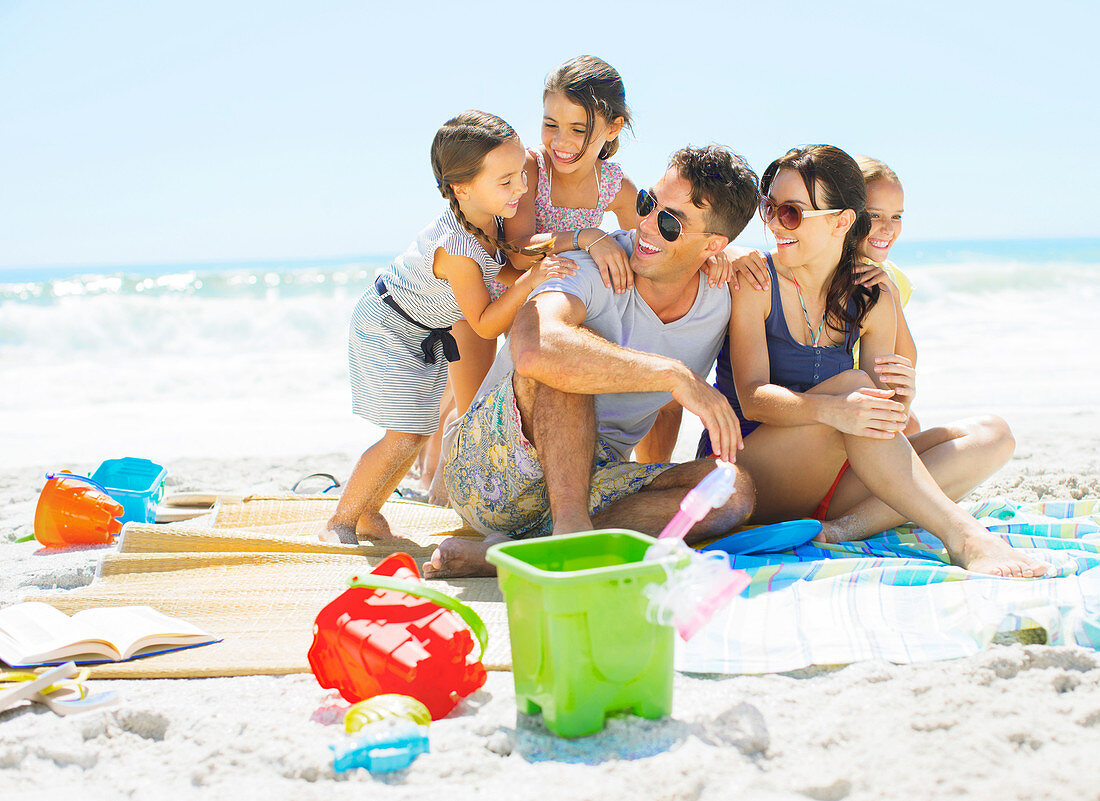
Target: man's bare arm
(549, 345)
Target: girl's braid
(539, 252)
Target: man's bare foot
(988, 553)
(573, 525)
(459, 558)
(437, 493)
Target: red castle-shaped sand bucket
(390, 633)
(75, 510)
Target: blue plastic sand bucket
(138, 484)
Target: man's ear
(715, 244)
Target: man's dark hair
(722, 184)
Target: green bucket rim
(499, 555)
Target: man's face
(654, 256)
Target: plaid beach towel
(894, 597)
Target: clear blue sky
(136, 132)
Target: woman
(815, 415)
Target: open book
(35, 633)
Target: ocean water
(249, 358)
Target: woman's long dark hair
(834, 181)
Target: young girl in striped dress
(400, 341)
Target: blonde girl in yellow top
(885, 204)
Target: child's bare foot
(458, 558)
(373, 527)
(988, 553)
(338, 532)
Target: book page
(34, 631)
(132, 628)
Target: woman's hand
(725, 266)
(898, 373)
(868, 412)
(613, 262)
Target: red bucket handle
(468, 615)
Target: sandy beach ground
(1018, 721)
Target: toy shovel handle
(92, 481)
(468, 615)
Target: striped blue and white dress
(391, 385)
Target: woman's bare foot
(459, 558)
(980, 553)
(988, 553)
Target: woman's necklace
(814, 338)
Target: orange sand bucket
(75, 510)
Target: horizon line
(389, 255)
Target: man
(544, 448)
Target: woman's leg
(376, 474)
(959, 456)
(892, 471)
(794, 467)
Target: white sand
(1014, 722)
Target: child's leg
(658, 444)
(376, 474)
(468, 372)
(428, 460)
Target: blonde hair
(875, 170)
(458, 153)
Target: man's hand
(711, 406)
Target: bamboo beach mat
(257, 579)
(291, 524)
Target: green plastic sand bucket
(581, 644)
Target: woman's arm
(868, 412)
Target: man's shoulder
(587, 283)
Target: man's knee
(536, 401)
(743, 498)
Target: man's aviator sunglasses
(789, 215)
(669, 227)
